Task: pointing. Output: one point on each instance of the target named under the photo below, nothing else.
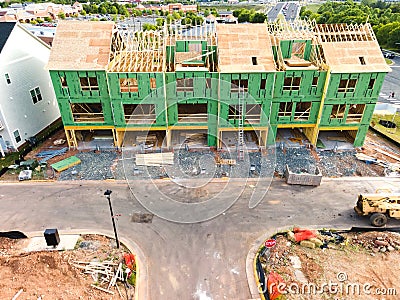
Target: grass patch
(393, 133)
(388, 61)
(9, 159)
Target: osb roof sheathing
(344, 57)
(81, 45)
(238, 43)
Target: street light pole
(107, 193)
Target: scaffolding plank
(66, 163)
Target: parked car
(389, 55)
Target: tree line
(384, 18)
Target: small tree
(61, 15)
(160, 22)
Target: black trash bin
(52, 237)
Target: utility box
(52, 237)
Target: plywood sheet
(238, 43)
(81, 45)
(344, 57)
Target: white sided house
(27, 100)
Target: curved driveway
(186, 261)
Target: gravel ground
(298, 159)
(93, 166)
(343, 163)
(201, 164)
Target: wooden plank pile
(155, 159)
(103, 273)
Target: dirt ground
(361, 266)
(53, 274)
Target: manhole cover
(142, 218)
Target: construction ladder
(240, 145)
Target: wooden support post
(262, 142)
(168, 135)
(119, 138)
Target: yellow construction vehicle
(379, 207)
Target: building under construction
(233, 84)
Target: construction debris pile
(378, 241)
(107, 275)
(304, 256)
(93, 269)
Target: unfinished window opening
(291, 83)
(36, 95)
(371, 84)
(302, 112)
(63, 81)
(184, 84)
(195, 47)
(17, 136)
(315, 81)
(338, 111)
(233, 112)
(128, 85)
(89, 83)
(139, 113)
(8, 80)
(153, 84)
(263, 84)
(239, 85)
(285, 109)
(362, 60)
(87, 112)
(254, 60)
(347, 85)
(192, 113)
(298, 49)
(355, 113)
(253, 114)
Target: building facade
(216, 80)
(27, 100)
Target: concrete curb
(142, 288)
(214, 180)
(250, 271)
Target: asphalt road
(391, 84)
(186, 261)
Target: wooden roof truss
(296, 30)
(137, 51)
(177, 32)
(345, 32)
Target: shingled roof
(5, 31)
(81, 45)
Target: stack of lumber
(155, 159)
